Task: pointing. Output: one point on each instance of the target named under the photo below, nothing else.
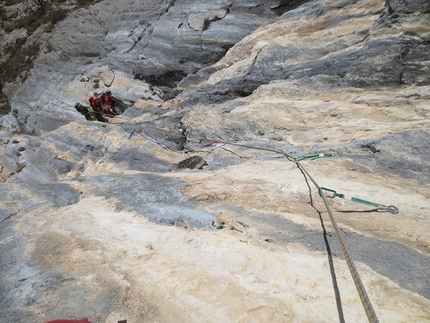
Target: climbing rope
(212, 142)
(365, 301)
(367, 305)
(148, 137)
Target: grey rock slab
(189, 36)
(214, 123)
(140, 159)
(79, 146)
(156, 197)
(409, 268)
(41, 122)
(17, 278)
(399, 6)
(154, 38)
(405, 154)
(32, 196)
(31, 161)
(371, 56)
(38, 104)
(32, 284)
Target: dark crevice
(135, 43)
(238, 94)
(207, 23)
(371, 147)
(169, 78)
(401, 77)
(226, 47)
(220, 97)
(9, 216)
(287, 5)
(170, 5)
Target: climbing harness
(381, 207)
(367, 305)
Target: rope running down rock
(371, 315)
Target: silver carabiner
(390, 208)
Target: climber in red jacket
(97, 105)
(109, 101)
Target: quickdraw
(381, 207)
(315, 156)
(367, 305)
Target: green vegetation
(12, 2)
(3, 13)
(57, 15)
(19, 62)
(4, 104)
(34, 19)
(17, 57)
(85, 3)
(404, 52)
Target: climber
(97, 106)
(107, 109)
(86, 111)
(110, 101)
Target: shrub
(84, 3)
(11, 48)
(12, 2)
(4, 104)
(57, 15)
(20, 60)
(30, 22)
(3, 13)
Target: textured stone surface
(316, 47)
(97, 219)
(194, 162)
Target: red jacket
(97, 105)
(107, 103)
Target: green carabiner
(315, 156)
(335, 194)
(390, 208)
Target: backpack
(79, 107)
(86, 111)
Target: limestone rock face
(120, 220)
(154, 43)
(318, 47)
